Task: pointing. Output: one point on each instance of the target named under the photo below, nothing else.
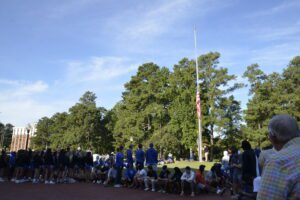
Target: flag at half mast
(198, 104)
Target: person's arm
(192, 177)
(183, 177)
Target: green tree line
(6, 131)
(158, 105)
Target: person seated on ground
(163, 179)
(200, 179)
(111, 175)
(221, 178)
(103, 173)
(211, 179)
(188, 179)
(129, 175)
(175, 182)
(150, 178)
(139, 177)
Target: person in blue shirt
(119, 166)
(129, 155)
(129, 174)
(140, 156)
(151, 157)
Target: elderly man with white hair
(281, 177)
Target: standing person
(188, 178)
(37, 164)
(206, 153)
(12, 165)
(235, 164)
(281, 176)
(119, 166)
(49, 166)
(88, 165)
(3, 164)
(129, 155)
(140, 156)
(248, 166)
(151, 157)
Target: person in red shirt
(200, 179)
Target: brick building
(21, 135)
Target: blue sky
(51, 52)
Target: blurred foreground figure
(281, 175)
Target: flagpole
(198, 93)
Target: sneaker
(218, 191)
(94, 181)
(146, 189)
(98, 182)
(193, 194)
(153, 190)
(222, 191)
(47, 182)
(163, 191)
(1, 179)
(52, 182)
(17, 181)
(182, 193)
(13, 180)
(117, 186)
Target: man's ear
(276, 144)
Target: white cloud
(143, 24)
(20, 112)
(99, 69)
(16, 88)
(17, 104)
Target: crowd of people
(138, 169)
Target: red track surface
(84, 191)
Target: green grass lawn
(193, 164)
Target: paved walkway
(84, 191)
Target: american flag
(198, 104)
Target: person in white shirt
(139, 177)
(188, 178)
(111, 175)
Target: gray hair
(284, 128)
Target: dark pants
(119, 175)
